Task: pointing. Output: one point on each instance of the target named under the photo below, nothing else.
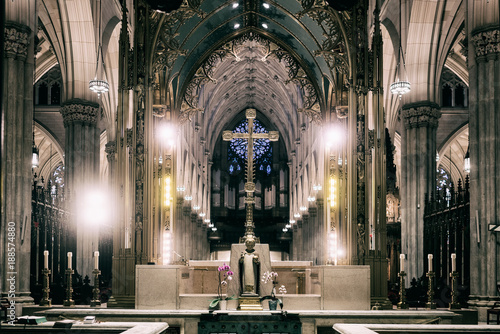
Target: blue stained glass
(262, 150)
(443, 179)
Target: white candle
(46, 259)
(96, 260)
(402, 262)
(70, 255)
(429, 257)
(453, 262)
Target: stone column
(484, 118)
(16, 176)
(418, 165)
(81, 174)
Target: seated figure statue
(249, 269)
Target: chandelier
(400, 87)
(97, 85)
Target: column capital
(16, 40)
(486, 42)
(110, 149)
(421, 114)
(77, 110)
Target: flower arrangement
(225, 276)
(273, 278)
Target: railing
(446, 231)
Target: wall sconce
(303, 208)
(333, 188)
(311, 199)
(167, 246)
(467, 162)
(196, 207)
(167, 191)
(296, 215)
(188, 198)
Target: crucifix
(249, 185)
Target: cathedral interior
(139, 134)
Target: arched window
(443, 179)
(262, 150)
(57, 180)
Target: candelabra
(69, 289)
(46, 289)
(402, 291)
(454, 282)
(430, 292)
(95, 302)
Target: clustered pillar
(418, 164)
(82, 167)
(15, 234)
(484, 121)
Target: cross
(249, 185)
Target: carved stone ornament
(160, 110)
(110, 147)
(16, 40)
(129, 134)
(110, 150)
(421, 116)
(486, 42)
(273, 135)
(249, 187)
(168, 47)
(342, 111)
(268, 49)
(82, 111)
(227, 135)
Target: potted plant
(225, 276)
(273, 300)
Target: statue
(249, 269)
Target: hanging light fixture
(400, 87)
(467, 161)
(35, 160)
(97, 85)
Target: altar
(309, 287)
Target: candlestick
(45, 301)
(96, 260)
(453, 262)
(429, 258)
(46, 259)
(430, 305)
(70, 256)
(96, 302)
(69, 286)
(401, 262)
(454, 304)
(402, 290)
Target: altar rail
(447, 231)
